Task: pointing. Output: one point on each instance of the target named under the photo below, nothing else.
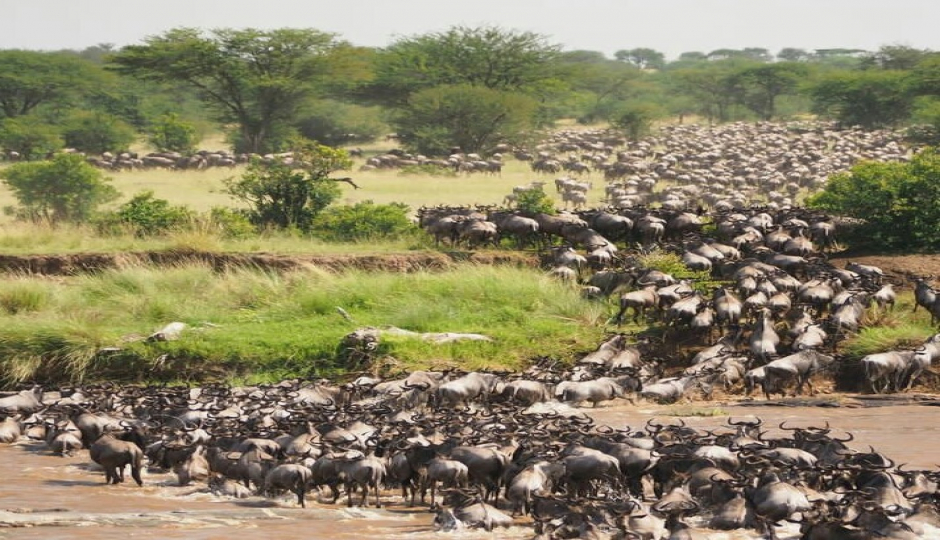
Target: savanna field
(551, 293)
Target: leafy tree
(925, 77)
(170, 133)
(894, 57)
(65, 188)
(758, 54)
(95, 132)
(258, 80)
(870, 99)
(290, 196)
(792, 54)
(926, 122)
(600, 84)
(487, 57)
(29, 136)
(763, 84)
(636, 119)
(642, 58)
(472, 118)
(714, 87)
(145, 215)
(364, 221)
(900, 202)
(693, 56)
(29, 79)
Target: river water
(49, 497)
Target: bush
(636, 119)
(284, 197)
(900, 202)
(231, 223)
(335, 123)
(364, 221)
(95, 133)
(535, 201)
(170, 134)
(63, 189)
(145, 216)
(29, 137)
(473, 118)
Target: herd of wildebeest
(767, 307)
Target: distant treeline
(467, 87)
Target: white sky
(670, 26)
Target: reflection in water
(66, 497)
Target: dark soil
(71, 264)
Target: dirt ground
(902, 267)
(898, 268)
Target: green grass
(893, 329)
(257, 325)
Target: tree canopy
(29, 79)
(488, 57)
(256, 79)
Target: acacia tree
(487, 57)
(256, 79)
(29, 79)
(290, 195)
(642, 58)
(763, 84)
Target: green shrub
(65, 188)
(231, 223)
(535, 201)
(282, 196)
(335, 123)
(364, 221)
(169, 133)
(900, 202)
(31, 138)
(636, 119)
(145, 216)
(95, 132)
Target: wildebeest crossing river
(45, 496)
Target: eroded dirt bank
(77, 263)
(897, 266)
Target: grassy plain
(202, 190)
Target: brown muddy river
(48, 497)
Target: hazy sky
(670, 26)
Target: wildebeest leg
(135, 474)
(378, 503)
(299, 491)
(619, 318)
